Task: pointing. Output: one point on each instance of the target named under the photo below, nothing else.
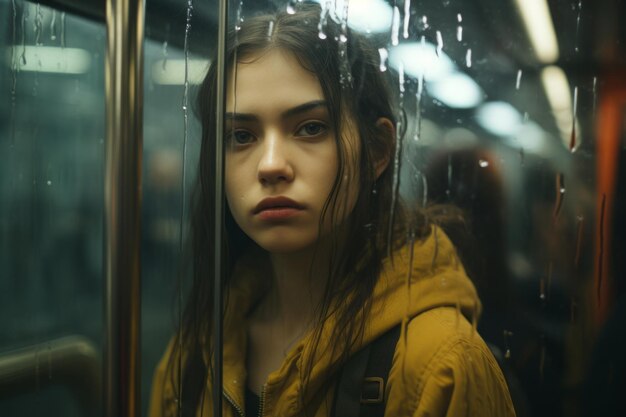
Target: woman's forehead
(271, 78)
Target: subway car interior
(513, 111)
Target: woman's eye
(241, 137)
(312, 129)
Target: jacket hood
(421, 276)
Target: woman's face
(281, 156)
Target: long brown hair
(347, 68)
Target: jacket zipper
(262, 401)
(234, 404)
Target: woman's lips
(277, 208)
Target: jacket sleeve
(464, 379)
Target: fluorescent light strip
(172, 71)
(540, 29)
(49, 59)
(559, 96)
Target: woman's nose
(274, 165)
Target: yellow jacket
(441, 366)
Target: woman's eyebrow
(299, 109)
(303, 108)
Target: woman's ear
(387, 129)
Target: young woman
(318, 265)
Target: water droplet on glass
(580, 7)
(49, 182)
(396, 168)
(321, 26)
(459, 33)
(39, 26)
(572, 143)
(468, 58)
(519, 79)
(483, 163)
(164, 53)
(62, 29)
(291, 7)
(422, 24)
(562, 190)
(384, 55)
(395, 26)
(507, 339)
(595, 93)
(53, 29)
(238, 18)
(343, 38)
(459, 17)
(580, 220)
(439, 43)
(407, 16)
(401, 77)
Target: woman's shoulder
(443, 367)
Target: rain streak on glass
(580, 8)
(24, 20)
(407, 17)
(291, 6)
(164, 53)
(53, 28)
(572, 143)
(439, 43)
(323, 18)
(459, 28)
(423, 23)
(468, 58)
(395, 26)
(595, 94)
(38, 24)
(518, 80)
(384, 55)
(396, 159)
(185, 106)
(240, 17)
(62, 29)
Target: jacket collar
(420, 276)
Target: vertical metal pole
(124, 111)
(219, 204)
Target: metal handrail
(123, 156)
(73, 362)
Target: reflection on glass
(494, 114)
(51, 196)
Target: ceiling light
(457, 90)
(559, 96)
(420, 59)
(499, 118)
(172, 71)
(49, 59)
(540, 30)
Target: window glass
(51, 202)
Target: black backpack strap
(361, 387)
